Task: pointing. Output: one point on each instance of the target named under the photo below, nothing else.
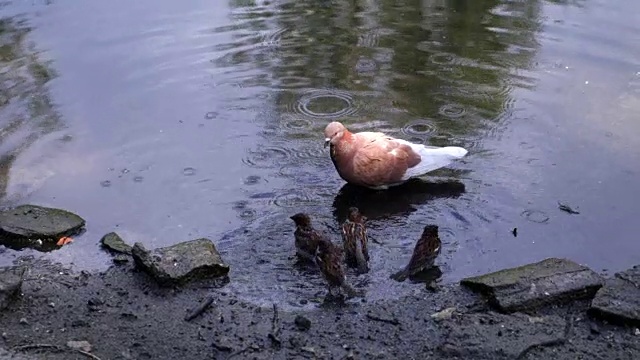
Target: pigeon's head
(333, 133)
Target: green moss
(41, 72)
(7, 53)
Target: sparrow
(329, 259)
(306, 237)
(354, 240)
(425, 252)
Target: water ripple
(295, 198)
(443, 59)
(419, 128)
(273, 38)
(452, 111)
(535, 216)
(303, 177)
(330, 104)
(366, 66)
(252, 180)
(243, 210)
(299, 124)
(266, 157)
(369, 39)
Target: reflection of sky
(142, 102)
(598, 71)
(573, 139)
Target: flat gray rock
(551, 281)
(182, 262)
(27, 224)
(10, 284)
(619, 299)
(114, 242)
(497, 336)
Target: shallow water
(180, 121)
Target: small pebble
(308, 349)
(223, 343)
(444, 314)
(637, 332)
(23, 321)
(302, 323)
(79, 345)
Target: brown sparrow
(425, 252)
(329, 259)
(306, 237)
(354, 239)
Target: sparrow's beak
(326, 142)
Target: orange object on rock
(64, 241)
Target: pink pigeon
(378, 161)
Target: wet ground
(123, 315)
(167, 122)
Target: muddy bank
(124, 314)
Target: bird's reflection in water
(398, 200)
(427, 276)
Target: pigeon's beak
(326, 142)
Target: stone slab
(618, 300)
(551, 281)
(182, 262)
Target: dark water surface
(177, 120)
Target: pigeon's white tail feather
(434, 158)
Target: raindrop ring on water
(188, 171)
(535, 216)
(417, 140)
(252, 180)
(297, 124)
(267, 157)
(419, 128)
(313, 152)
(211, 115)
(365, 65)
(346, 108)
(273, 38)
(292, 199)
(442, 58)
(247, 214)
(453, 111)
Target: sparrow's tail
(363, 267)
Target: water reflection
(428, 276)
(432, 72)
(27, 112)
(396, 201)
